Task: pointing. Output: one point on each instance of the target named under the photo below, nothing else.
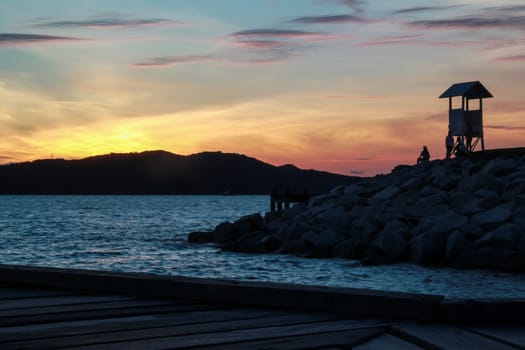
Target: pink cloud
(515, 58)
(392, 40)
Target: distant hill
(160, 172)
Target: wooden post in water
(280, 200)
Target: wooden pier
(47, 308)
(280, 201)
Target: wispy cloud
(514, 58)
(173, 60)
(475, 22)
(355, 5)
(509, 8)
(500, 17)
(20, 39)
(274, 33)
(284, 36)
(424, 9)
(253, 46)
(392, 40)
(335, 19)
(260, 44)
(110, 23)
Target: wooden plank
(348, 300)
(482, 310)
(234, 336)
(148, 331)
(115, 305)
(18, 293)
(82, 327)
(509, 334)
(326, 341)
(102, 313)
(446, 337)
(58, 300)
(387, 341)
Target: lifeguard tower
(467, 120)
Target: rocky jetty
(467, 213)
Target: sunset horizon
(344, 86)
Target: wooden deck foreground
(43, 308)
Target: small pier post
(280, 200)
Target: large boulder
(223, 232)
(499, 167)
(457, 242)
(503, 237)
(325, 239)
(481, 258)
(343, 249)
(336, 217)
(250, 223)
(449, 221)
(201, 237)
(295, 247)
(384, 195)
(493, 216)
(427, 248)
(394, 242)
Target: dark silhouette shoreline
(160, 172)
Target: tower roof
(470, 90)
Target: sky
(347, 86)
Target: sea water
(149, 234)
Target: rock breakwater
(466, 213)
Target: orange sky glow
(343, 86)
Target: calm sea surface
(148, 234)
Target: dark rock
(201, 237)
(496, 215)
(428, 248)
(361, 249)
(503, 237)
(251, 245)
(481, 258)
(271, 243)
(253, 221)
(457, 242)
(343, 249)
(473, 231)
(223, 232)
(499, 167)
(515, 262)
(325, 239)
(376, 259)
(295, 247)
(393, 240)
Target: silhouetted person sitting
(424, 156)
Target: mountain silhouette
(160, 172)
